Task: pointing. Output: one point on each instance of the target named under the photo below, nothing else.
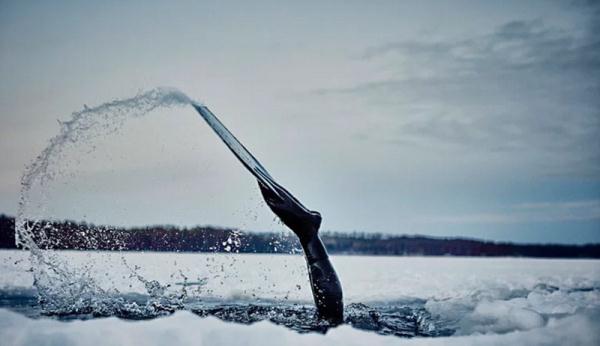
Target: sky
(475, 119)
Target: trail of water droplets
(60, 285)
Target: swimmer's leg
(326, 288)
(325, 285)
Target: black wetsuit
(326, 288)
(325, 285)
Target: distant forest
(83, 236)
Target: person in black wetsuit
(325, 285)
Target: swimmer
(325, 285)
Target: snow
(500, 317)
(490, 301)
(185, 328)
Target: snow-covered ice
(185, 328)
(489, 301)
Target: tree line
(62, 235)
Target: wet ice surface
(507, 300)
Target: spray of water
(59, 284)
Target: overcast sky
(444, 118)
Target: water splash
(60, 285)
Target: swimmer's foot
(305, 223)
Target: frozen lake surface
(218, 299)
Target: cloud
(584, 210)
(525, 88)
